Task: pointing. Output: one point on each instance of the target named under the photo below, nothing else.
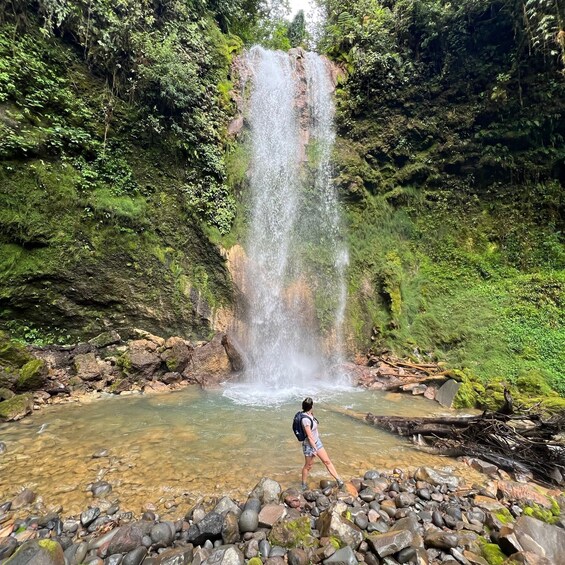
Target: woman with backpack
(312, 445)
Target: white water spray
(296, 292)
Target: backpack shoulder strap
(304, 415)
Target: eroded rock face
(142, 359)
(87, 367)
(234, 353)
(211, 364)
(177, 354)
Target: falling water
(296, 258)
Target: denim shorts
(307, 448)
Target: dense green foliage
(112, 127)
(452, 160)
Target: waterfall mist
(296, 257)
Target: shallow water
(169, 450)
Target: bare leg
(325, 459)
(308, 462)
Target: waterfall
(296, 258)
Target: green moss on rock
(11, 352)
(293, 533)
(32, 375)
(16, 407)
(493, 554)
(504, 516)
(6, 394)
(544, 514)
(470, 392)
(51, 546)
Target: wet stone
(406, 555)
(264, 548)
(361, 521)
(174, 556)
(253, 504)
(367, 495)
(441, 540)
(101, 489)
(344, 556)
(424, 494)
(7, 547)
(26, 496)
(297, 556)
(437, 519)
(162, 534)
(88, 516)
(248, 521)
(100, 453)
(146, 541)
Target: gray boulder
(175, 556)
(135, 556)
(162, 534)
(434, 477)
(177, 354)
(225, 505)
(267, 491)
(209, 528)
(344, 556)
(546, 536)
(447, 393)
(225, 555)
(128, 537)
(333, 523)
(230, 529)
(38, 552)
(248, 521)
(390, 542)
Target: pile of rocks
(35, 376)
(382, 518)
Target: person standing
(312, 446)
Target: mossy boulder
(549, 516)
(32, 375)
(106, 338)
(39, 552)
(16, 407)
(6, 394)
(11, 352)
(493, 554)
(293, 533)
(177, 354)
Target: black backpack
(297, 427)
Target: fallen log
(515, 443)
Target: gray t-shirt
(306, 423)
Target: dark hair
(307, 403)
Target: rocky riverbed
(427, 517)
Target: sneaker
(303, 487)
(339, 483)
